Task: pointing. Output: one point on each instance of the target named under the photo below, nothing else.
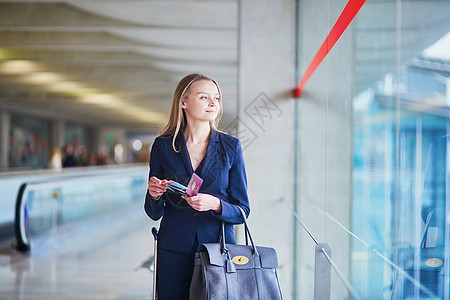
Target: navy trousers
(174, 273)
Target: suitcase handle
(155, 233)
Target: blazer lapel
(184, 153)
(211, 153)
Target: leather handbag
(426, 263)
(228, 271)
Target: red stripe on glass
(346, 17)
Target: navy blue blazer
(223, 174)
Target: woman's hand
(157, 187)
(204, 202)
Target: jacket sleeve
(237, 191)
(155, 208)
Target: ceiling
(117, 62)
(111, 62)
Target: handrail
(21, 213)
(24, 172)
(304, 226)
(388, 261)
(346, 283)
(22, 243)
(340, 224)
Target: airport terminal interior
(348, 175)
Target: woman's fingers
(204, 202)
(166, 182)
(157, 187)
(157, 182)
(187, 198)
(199, 202)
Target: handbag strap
(222, 237)
(231, 275)
(246, 236)
(247, 233)
(219, 240)
(427, 224)
(247, 230)
(257, 269)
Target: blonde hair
(177, 118)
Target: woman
(191, 142)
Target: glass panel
(55, 205)
(400, 127)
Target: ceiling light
(137, 145)
(65, 86)
(15, 67)
(104, 100)
(42, 78)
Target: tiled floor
(97, 265)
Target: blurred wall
(265, 123)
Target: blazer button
(196, 214)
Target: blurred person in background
(55, 159)
(68, 157)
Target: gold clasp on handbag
(432, 262)
(240, 260)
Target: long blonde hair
(177, 118)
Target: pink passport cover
(194, 185)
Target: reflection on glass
(400, 187)
(400, 179)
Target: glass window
(401, 132)
(373, 136)
(29, 142)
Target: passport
(194, 185)
(192, 188)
